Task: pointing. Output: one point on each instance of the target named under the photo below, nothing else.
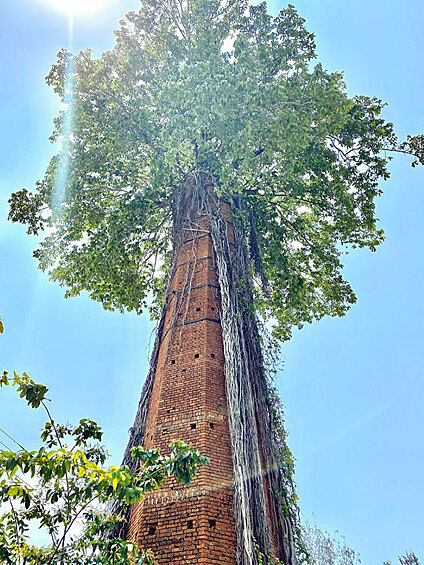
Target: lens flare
(64, 161)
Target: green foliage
(219, 86)
(33, 393)
(266, 559)
(331, 549)
(414, 145)
(64, 488)
(409, 559)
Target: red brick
(188, 396)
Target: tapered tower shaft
(193, 524)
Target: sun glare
(76, 7)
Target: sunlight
(59, 189)
(76, 7)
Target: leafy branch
(65, 482)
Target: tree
(223, 87)
(64, 490)
(326, 549)
(221, 92)
(408, 559)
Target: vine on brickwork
(271, 349)
(249, 405)
(255, 421)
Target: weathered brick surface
(194, 524)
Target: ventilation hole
(212, 308)
(193, 426)
(196, 356)
(190, 524)
(197, 309)
(152, 529)
(164, 430)
(212, 523)
(212, 355)
(180, 314)
(211, 425)
(173, 362)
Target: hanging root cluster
(264, 502)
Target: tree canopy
(223, 87)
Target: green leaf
(3, 379)
(14, 490)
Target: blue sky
(352, 387)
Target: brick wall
(195, 523)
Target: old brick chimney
(195, 523)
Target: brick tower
(195, 523)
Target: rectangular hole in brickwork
(183, 370)
(212, 355)
(173, 362)
(197, 309)
(193, 426)
(212, 308)
(164, 430)
(190, 524)
(196, 356)
(152, 529)
(212, 523)
(211, 425)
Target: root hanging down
(265, 529)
